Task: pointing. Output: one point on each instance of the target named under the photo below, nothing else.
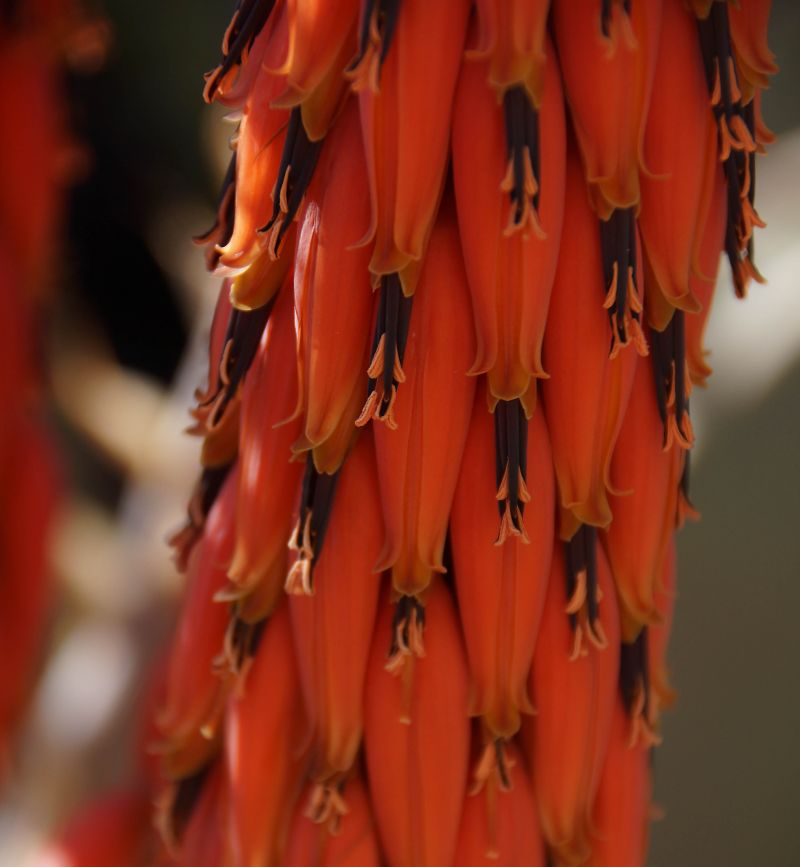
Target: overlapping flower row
(470, 254)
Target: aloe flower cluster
(469, 251)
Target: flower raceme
(469, 252)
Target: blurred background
(125, 347)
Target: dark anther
(522, 150)
(298, 161)
(245, 639)
(249, 18)
(511, 466)
(242, 337)
(621, 276)
(580, 555)
(737, 144)
(384, 15)
(221, 231)
(634, 678)
(502, 765)
(316, 504)
(186, 795)
(408, 617)
(668, 352)
(391, 329)
(204, 495)
(605, 14)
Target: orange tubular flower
(587, 394)
(417, 737)
(645, 514)
(499, 823)
(501, 588)
(333, 614)
(330, 839)
(334, 300)
(406, 68)
(194, 693)
(621, 816)
(574, 685)
(263, 750)
(419, 447)
(508, 171)
(267, 479)
(677, 156)
(416, 227)
(608, 51)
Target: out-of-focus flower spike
(420, 46)
(645, 513)
(321, 836)
(567, 739)
(416, 733)
(607, 51)
(194, 695)
(501, 589)
(268, 479)
(298, 162)
(418, 463)
(499, 823)
(333, 296)
(245, 29)
(512, 37)
(510, 261)
(749, 20)
(622, 813)
(662, 695)
(677, 155)
(263, 749)
(114, 829)
(332, 626)
(29, 494)
(586, 395)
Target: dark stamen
(248, 20)
(385, 12)
(502, 765)
(634, 677)
(316, 504)
(407, 612)
(511, 465)
(618, 245)
(580, 556)
(522, 135)
(221, 231)
(186, 795)
(242, 337)
(298, 161)
(739, 163)
(245, 639)
(391, 326)
(669, 370)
